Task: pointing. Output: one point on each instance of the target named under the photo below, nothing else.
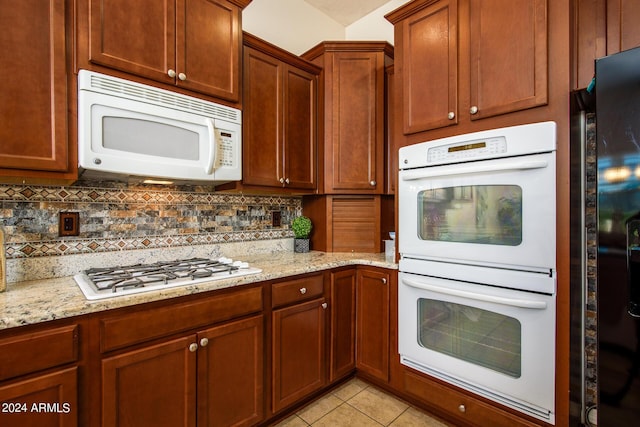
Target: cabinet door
(208, 47)
(136, 37)
(590, 39)
(372, 317)
(230, 374)
(508, 73)
(262, 121)
(300, 93)
(33, 89)
(430, 55)
(298, 359)
(354, 150)
(49, 400)
(623, 32)
(151, 386)
(343, 325)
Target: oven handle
(514, 302)
(476, 168)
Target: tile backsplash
(117, 217)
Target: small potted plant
(301, 227)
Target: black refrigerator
(617, 115)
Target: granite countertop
(36, 301)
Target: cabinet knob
(462, 409)
(193, 347)
(182, 76)
(373, 183)
(287, 181)
(303, 291)
(281, 180)
(451, 115)
(473, 110)
(384, 281)
(204, 342)
(324, 305)
(171, 73)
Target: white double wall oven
(477, 281)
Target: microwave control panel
(225, 156)
(467, 150)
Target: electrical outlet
(275, 218)
(69, 224)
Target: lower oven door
(498, 343)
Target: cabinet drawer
(459, 406)
(296, 290)
(31, 352)
(143, 325)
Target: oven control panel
(467, 150)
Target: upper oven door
(498, 212)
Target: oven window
(481, 337)
(488, 214)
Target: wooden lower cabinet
(457, 406)
(372, 322)
(47, 400)
(212, 378)
(342, 337)
(39, 372)
(230, 374)
(298, 352)
(154, 385)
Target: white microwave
(135, 132)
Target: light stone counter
(36, 301)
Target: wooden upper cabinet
(508, 50)
(279, 119)
(601, 28)
(34, 127)
(194, 44)
(353, 115)
(300, 128)
(430, 57)
(623, 32)
(464, 60)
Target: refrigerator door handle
(633, 265)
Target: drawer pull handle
(204, 342)
(462, 409)
(193, 347)
(303, 291)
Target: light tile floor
(356, 403)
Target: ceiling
(346, 12)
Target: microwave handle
(213, 149)
(465, 170)
(521, 303)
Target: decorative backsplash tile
(116, 217)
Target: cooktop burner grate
(106, 282)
